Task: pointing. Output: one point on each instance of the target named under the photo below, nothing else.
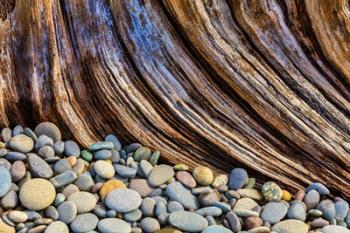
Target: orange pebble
(72, 160)
(109, 186)
(286, 195)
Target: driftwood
(261, 84)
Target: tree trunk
(260, 84)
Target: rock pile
(52, 186)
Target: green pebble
(142, 153)
(86, 155)
(154, 158)
(315, 213)
(181, 167)
(101, 146)
(251, 183)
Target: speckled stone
(49, 129)
(109, 186)
(84, 223)
(187, 221)
(17, 216)
(113, 225)
(220, 180)
(271, 191)
(84, 201)
(5, 181)
(203, 175)
(37, 194)
(123, 200)
(142, 153)
(21, 143)
(160, 175)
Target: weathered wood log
(260, 84)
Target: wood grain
(259, 84)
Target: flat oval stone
(238, 178)
(245, 204)
(328, 209)
(323, 190)
(150, 225)
(216, 229)
(37, 194)
(17, 216)
(125, 171)
(123, 200)
(271, 191)
(10, 200)
(64, 178)
(67, 211)
(114, 225)
(311, 199)
(84, 223)
(5, 181)
(273, 212)
(71, 148)
(176, 191)
(250, 193)
(49, 129)
(335, 229)
(100, 146)
(160, 175)
(6, 228)
(233, 221)
(209, 211)
(102, 154)
(141, 186)
(57, 227)
(188, 221)
(341, 209)
(133, 216)
(14, 156)
(186, 179)
(104, 169)
(18, 170)
(21, 143)
(290, 226)
(39, 167)
(84, 201)
(297, 211)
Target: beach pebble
(57, 227)
(220, 180)
(216, 229)
(176, 191)
(112, 138)
(291, 226)
(323, 190)
(186, 179)
(104, 169)
(5, 181)
(150, 225)
(102, 154)
(327, 208)
(84, 182)
(238, 178)
(37, 194)
(9, 201)
(203, 175)
(123, 200)
(84, 201)
(84, 223)
(18, 171)
(311, 199)
(133, 216)
(335, 229)
(100, 146)
(297, 211)
(141, 186)
(71, 148)
(142, 153)
(273, 212)
(39, 167)
(160, 175)
(341, 209)
(17, 216)
(125, 171)
(21, 143)
(64, 178)
(113, 225)
(187, 221)
(271, 191)
(49, 129)
(109, 186)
